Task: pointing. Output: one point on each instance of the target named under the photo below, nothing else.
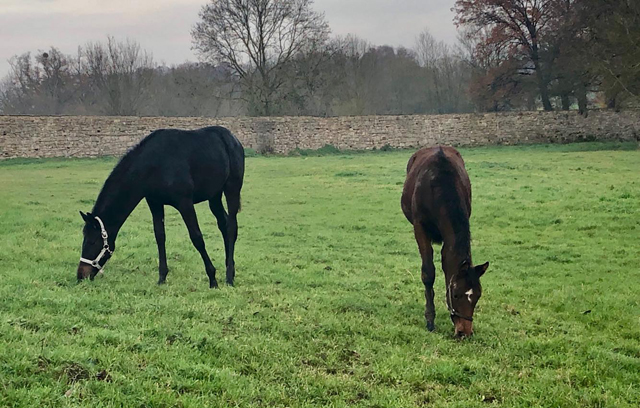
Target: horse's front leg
(157, 211)
(428, 274)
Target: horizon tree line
(277, 57)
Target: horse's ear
(481, 269)
(86, 217)
(464, 265)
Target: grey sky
(163, 26)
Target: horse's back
(201, 162)
(435, 177)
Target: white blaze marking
(469, 293)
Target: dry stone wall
(91, 136)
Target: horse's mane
(122, 167)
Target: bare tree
(312, 80)
(356, 76)
(121, 72)
(258, 39)
(446, 73)
(55, 78)
(40, 85)
(431, 53)
(193, 89)
(19, 86)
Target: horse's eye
(456, 296)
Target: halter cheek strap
(105, 248)
(452, 311)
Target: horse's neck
(115, 203)
(454, 254)
(456, 239)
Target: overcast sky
(163, 26)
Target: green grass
(328, 307)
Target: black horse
(172, 167)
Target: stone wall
(90, 136)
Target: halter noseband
(452, 311)
(105, 248)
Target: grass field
(328, 304)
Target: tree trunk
(266, 109)
(582, 101)
(566, 103)
(542, 83)
(611, 103)
(544, 93)
(614, 103)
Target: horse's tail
(441, 158)
(235, 153)
(442, 167)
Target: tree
(192, 89)
(19, 86)
(571, 74)
(121, 71)
(258, 39)
(446, 75)
(313, 80)
(55, 79)
(430, 53)
(40, 85)
(520, 27)
(354, 73)
(611, 37)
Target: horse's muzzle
(86, 271)
(463, 328)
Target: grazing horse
(436, 200)
(172, 167)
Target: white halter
(105, 248)
(452, 311)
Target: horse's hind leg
(428, 273)
(233, 205)
(157, 211)
(191, 220)
(218, 211)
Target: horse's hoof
(431, 327)
(230, 283)
(162, 282)
(213, 285)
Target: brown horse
(436, 200)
